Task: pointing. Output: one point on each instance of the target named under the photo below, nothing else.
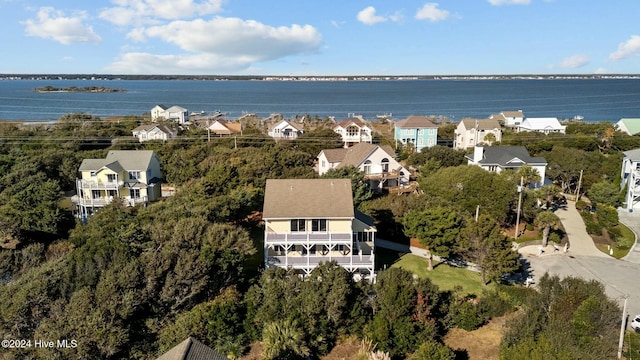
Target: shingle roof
(345, 123)
(230, 127)
(335, 155)
(483, 124)
(415, 121)
(503, 155)
(297, 126)
(191, 349)
(308, 198)
(633, 125)
(514, 114)
(633, 155)
(359, 152)
(149, 127)
(126, 159)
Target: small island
(96, 89)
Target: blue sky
(313, 37)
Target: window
(367, 167)
(408, 131)
(323, 163)
(134, 175)
(297, 225)
(385, 165)
(352, 131)
(134, 193)
(319, 225)
(420, 131)
(111, 178)
(93, 173)
(112, 193)
(95, 194)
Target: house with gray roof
(500, 158)
(191, 349)
(148, 132)
(377, 162)
(285, 129)
(130, 175)
(174, 113)
(630, 175)
(311, 221)
(471, 132)
(629, 126)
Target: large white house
(174, 113)
(311, 221)
(130, 175)
(353, 131)
(509, 118)
(543, 125)
(284, 129)
(631, 179)
(471, 132)
(148, 132)
(499, 158)
(377, 162)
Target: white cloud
(431, 12)
(627, 49)
(137, 12)
(53, 24)
(574, 62)
(237, 44)
(368, 16)
(601, 70)
(509, 2)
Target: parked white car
(635, 324)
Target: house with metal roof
(377, 162)
(629, 126)
(630, 175)
(353, 131)
(130, 175)
(500, 158)
(148, 132)
(417, 132)
(312, 221)
(471, 132)
(542, 125)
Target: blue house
(418, 131)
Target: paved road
(620, 277)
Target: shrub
(493, 305)
(516, 295)
(529, 227)
(581, 205)
(465, 315)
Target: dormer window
(134, 175)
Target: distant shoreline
(74, 89)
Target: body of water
(593, 99)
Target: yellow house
(310, 221)
(131, 175)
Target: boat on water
(384, 116)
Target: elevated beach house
(471, 132)
(353, 131)
(174, 113)
(631, 179)
(130, 175)
(417, 131)
(377, 162)
(311, 221)
(285, 129)
(500, 158)
(148, 132)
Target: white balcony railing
(305, 237)
(104, 201)
(98, 185)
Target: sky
(320, 38)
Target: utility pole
(579, 185)
(623, 325)
(518, 211)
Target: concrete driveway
(584, 260)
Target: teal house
(418, 131)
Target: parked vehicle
(635, 324)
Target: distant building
(191, 349)
(500, 158)
(629, 126)
(286, 130)
(509, 118)
(153, 132)
(631, 179)
(312, 221)
(130, 175)
(222, 127)
(471, 132)
(542, 125)
(417, 131)
(353, 131)
(173, 113)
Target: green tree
(528, 175)
(283, 340)
(359, 187)
(437, 228)
(605, 193)
(546, 220)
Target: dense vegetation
(133, 282)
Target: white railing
(92, 184)
(104, 201)
(299, 238)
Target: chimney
(478, 153)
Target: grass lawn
(623, 243)
(443, 275)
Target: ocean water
(593, 99)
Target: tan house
(312, 221)
(148, 132)
(222, 127)
(471, 132)
(353, 131)
(509, 118)
(131, 175)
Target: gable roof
(415, 121)
(160, 106)
(149, 127)
(633, 155)
(482, 124)
(191, 349)
(347, 122)
(176, 108)
(228, 127)
(358, 153)
(508, 155)
(334, 155)
(542, 123)
(632, 125)
(308, 198)
(297, 126)
(119, 160)
(514, 114)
